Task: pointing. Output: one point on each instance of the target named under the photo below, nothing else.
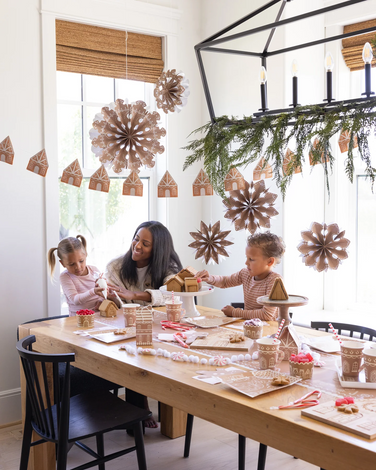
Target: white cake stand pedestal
(283, 305)
(188, 299)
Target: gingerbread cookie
(280, 380)
(236, 338)
(120, 331)
(349, 409)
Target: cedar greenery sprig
(229, 143)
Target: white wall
(28, 116)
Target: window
(107, 220)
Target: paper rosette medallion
(252, 207)
(171, 91)
(210, 243)
(126, 136)
(323, 246)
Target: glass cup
(351, 356)
(129, 311)
(369, 366)
(174, 310)
(269, 353)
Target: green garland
(304, 123)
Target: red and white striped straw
(279, 331)
(173, 298)
(335, 333)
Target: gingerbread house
(201, 185)
(190, 284)
(311, 162)
(286, 162)
(38, 164)
(108, 308)
(234, 180)
(100, 181)
(133, 186)
(188, 271)
(144, 326)
(290, 343)
(6, 151)
(167, 187)
(175, 283)
(344, 140)
(278, 291)
(262, 170)
(72, 174)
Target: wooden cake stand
(283, 305)
(188, 299)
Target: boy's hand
(228, 310)
(204, 275)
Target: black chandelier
(210, 45)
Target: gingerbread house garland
(6, 151)
(286, 161)
(100, 181)
(144, 326)
(344, 140)
(234, 180)
(201, 185)
(38, 164)
(167, 187)
(133, 186)
(290, 343)
(262, 170)
(72, 174)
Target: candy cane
(335, 333)
(279, 331)
(302, 402)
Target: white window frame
(131, 16)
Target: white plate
(325, 344)
(112, 338)
(353, 382)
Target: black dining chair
(60, 419)
(346, 329)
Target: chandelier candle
(264, 100)
(294, 71)
(329, 64)
(367, 58)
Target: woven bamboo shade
(92, 50)
(353, 46)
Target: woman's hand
(126, 294)
(204, 275)
(228, 310)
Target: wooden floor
(212, 448)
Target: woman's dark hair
(164, 258)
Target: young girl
(263, 252)
(78, 281)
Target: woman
(138, 274)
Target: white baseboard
(10, 406)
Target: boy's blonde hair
(270, 244)
(66, 246)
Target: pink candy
(344, 401)
(301, 357)
(253, 322)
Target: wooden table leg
(173, 421)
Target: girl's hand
(228, 310)
(204, 275)
(98, 290)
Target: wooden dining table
(172, 383)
